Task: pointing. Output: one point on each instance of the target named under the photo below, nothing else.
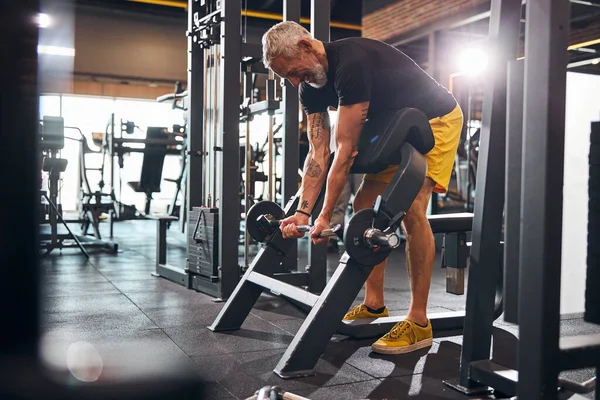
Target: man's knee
(361, 201)
(416, 217)
(367, 194)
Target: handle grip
(324, 233)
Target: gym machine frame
(52, 135)
(328, 308)
(215, 55)
(534, 171)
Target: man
(364, 78)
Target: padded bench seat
(448, 223)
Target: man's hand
(320, 224)
(288, 226)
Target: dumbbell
(269, 223)
(264, 218)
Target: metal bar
(431, 54)
(592, 280)
(579, 351)
(173, 274)
(248, 181)
(271, 178)
(217, 126)
(495, 375)
(317, 255)
(323, 320)
(290, 157)
(487, 219)
(320, 11)
(229, 203)
(293, 278)
(54, 228)
(196, 129)
(547, 31)
(19, 170)
(161, 242)
(246, 293)
(512, 199)
(283, 289)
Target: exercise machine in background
(177, 208)
(115, 145)
(52, 140)
(220, 191)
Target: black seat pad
(383, 135)
(448, 223)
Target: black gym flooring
(133, 318)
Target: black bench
(455, 249)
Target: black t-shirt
(361, 69)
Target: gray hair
(282, 40)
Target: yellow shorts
(440, 160)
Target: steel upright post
(195, 128)
(547, 32)
(487, 221)
(320, 12)
(229, 158)
(289, 186)
(20, 171)
(512, 198)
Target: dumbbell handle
(301, 228)
(324, 233)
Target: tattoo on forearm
(317, 126)
(363, 116)
(313, 169)
(304, 204)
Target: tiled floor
(136, 321)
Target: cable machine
(221, 65)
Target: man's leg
(415, 331)
(365, 198)
(420, 253)
(419, 260)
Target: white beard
(320, 77)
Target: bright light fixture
(56, 50)
(596, 61)
(43, 20)
(472, 61)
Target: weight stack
(203, 243)
(592, 294)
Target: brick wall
(406, 15)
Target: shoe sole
(402, 350)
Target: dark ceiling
(343, 11)
(346, 18)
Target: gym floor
(114, 303)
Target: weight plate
(354, 238)
(261, 208)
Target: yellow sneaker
(404, 337)
(361, 311)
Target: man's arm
(317, 160)
(351, 120)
